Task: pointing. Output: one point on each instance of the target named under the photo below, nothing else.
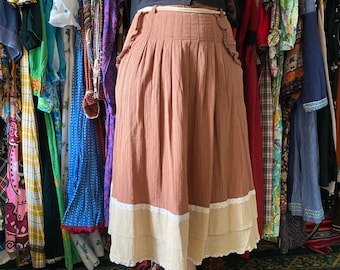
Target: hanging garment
(303, 175)
(9, 30)
(86, 253)
(64, 13)
(68, 45)
(109, 70)
(264, 26)
(315, 82)
(278, 202)
(15, 205)
(326, 120)
(182, 183)
(276, 58)
(71, 256)
(305, 199)
(292, 81)
(49, 122)
(327, 154)
(31, 31)
(84, 187)
(289, 14)
(91, 25)
(267, 121)
(49, 96)
(5, 88)
(97, 8)
(246, 41)
(292, 228)
(52, 233)
(38, 58)
(89, 247)
(266, 99)
(292, 85)
(31, 165)
(305, 167)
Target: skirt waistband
(182, 9)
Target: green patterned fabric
(289, 10)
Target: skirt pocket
(228, 39)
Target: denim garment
(304, 167)
(9, 30)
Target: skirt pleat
(182, 183)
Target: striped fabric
(32, 169)
(198, 199)
(271, 229)
(266, 100)
(277, 158)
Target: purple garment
(111, 10)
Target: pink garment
(16, 224)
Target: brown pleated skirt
(182, 185)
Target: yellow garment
(32, 168)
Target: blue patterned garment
(84, 187)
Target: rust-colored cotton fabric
(182, 181)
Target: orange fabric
(182, 181)
(186, 131)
